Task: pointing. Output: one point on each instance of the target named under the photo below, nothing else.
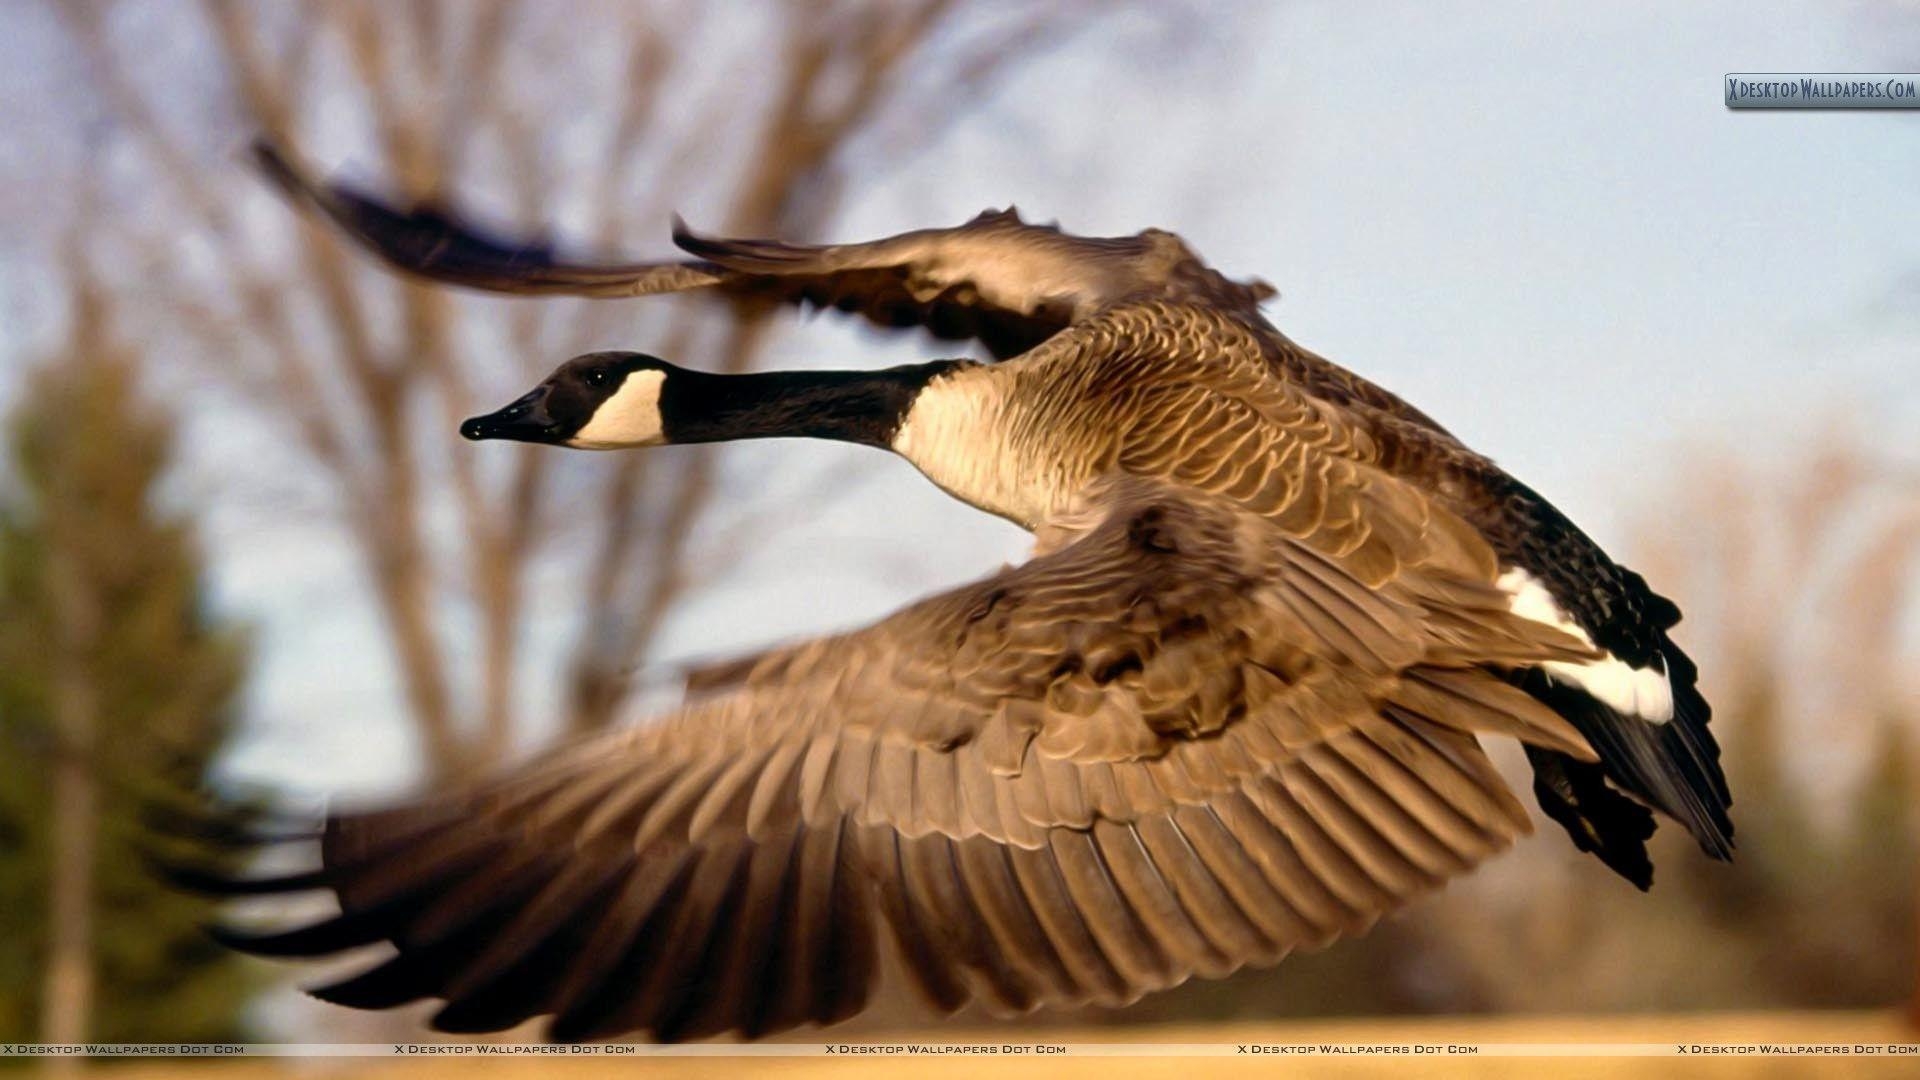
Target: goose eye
(596, 378)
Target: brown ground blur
(1778, 1027)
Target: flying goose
(1230, 708)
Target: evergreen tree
(117, 692)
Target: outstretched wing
(1184, 742)
(995, 279)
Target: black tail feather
(1599, 819)
(1673, 767)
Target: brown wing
(1183, 743)
(996, 279)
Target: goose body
(1230, 708)
(1021, 438)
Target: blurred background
(242, 551)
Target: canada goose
(1230, 707)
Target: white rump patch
(1643, 692)
(631, 417)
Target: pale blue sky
(1536, 221)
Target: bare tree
(609, 114)
(1799, 576)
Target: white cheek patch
(631, 417)
(1641, 692)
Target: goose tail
(1671, 766)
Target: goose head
(599, 401)
(617, 400)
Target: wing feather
(934, 887)
(1134, 956)
(986, 870)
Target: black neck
(864, 407)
